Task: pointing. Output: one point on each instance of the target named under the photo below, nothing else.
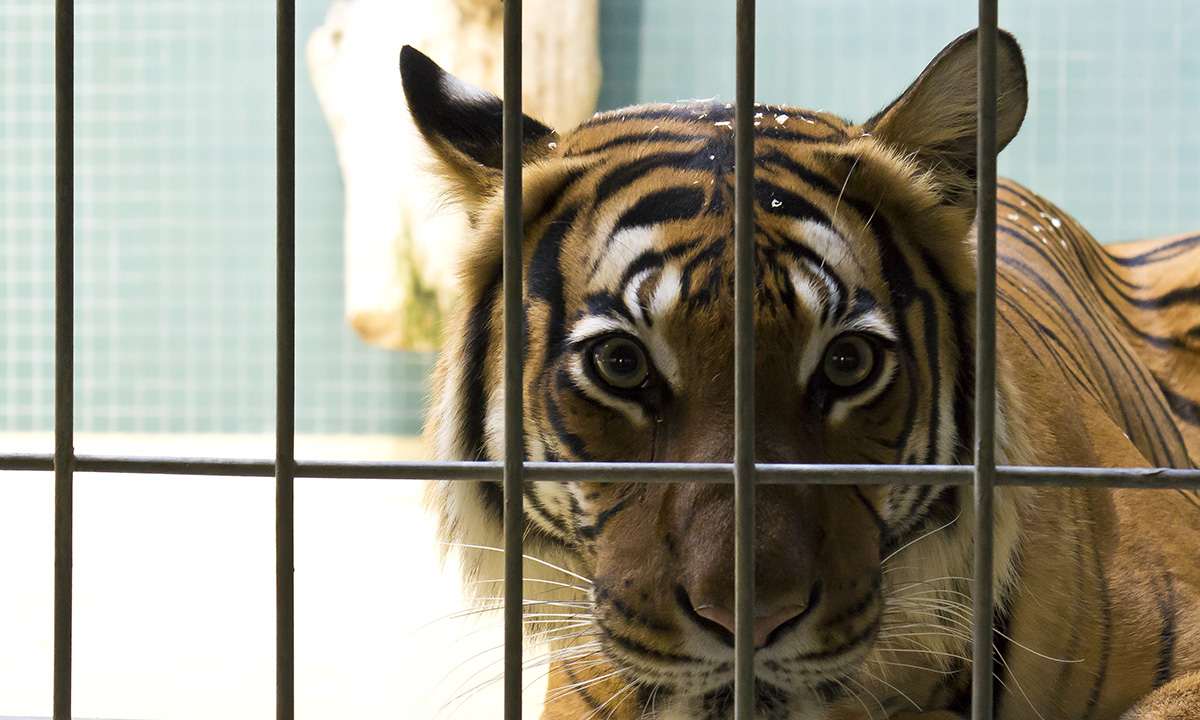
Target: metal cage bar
(767, 473)
(743, 342)
(64, 348)
(285, 358)
(514, 433)
(985, 368)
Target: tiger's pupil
(620, 362)
(845, 359)
(849, 361)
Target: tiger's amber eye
(849, 360)
(620, 362)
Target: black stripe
(803, 172)
(633, 647)
(1159, 254)
(574, 444)
(533, 502)
(1000, 647)
(705, 257)
(1166, 635)
(901, 285)
(674, 203)
(1184, 408)
(475, 348)
(605, 303)
(775, 200)
(1103, 333)
(1187, 295)
(1105, 629)
(589, 532)
(716, 156)
(646, 137)
(1078, 627)
(960, 703)
(931, 316)
(581, 689)
(544, 281)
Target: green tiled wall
(175, 177)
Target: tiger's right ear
(463, 126)
(935, 119)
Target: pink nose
(764, 625)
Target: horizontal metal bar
(767, 474)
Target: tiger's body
(864, 345)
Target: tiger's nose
(764, 624)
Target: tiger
(864, 336)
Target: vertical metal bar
(743, 298)
(285, 355)
(64, 348)
(514, 434)
(985, 367)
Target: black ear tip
(417, 71)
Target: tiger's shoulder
(1117, 325)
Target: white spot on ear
(463, 93)
(781, 118)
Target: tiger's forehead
(658, 191)
(691, 122)
(805, 268)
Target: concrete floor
(174, 593)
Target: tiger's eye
(620, 362)
(849, 360)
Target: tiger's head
(864, 354)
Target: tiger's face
(863, 355)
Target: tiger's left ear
(463, 126)
(936, 119)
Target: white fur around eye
(842, 406)
(629, 408)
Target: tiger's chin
(793, 681)
(771, 702)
